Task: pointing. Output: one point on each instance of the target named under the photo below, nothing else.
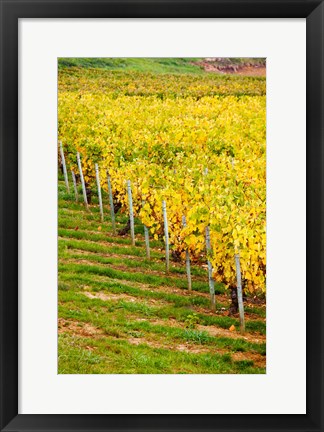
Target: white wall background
(283, 389)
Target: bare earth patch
(221, 332)
(209, 65)
(258, 360)
(104, 296)
(187, 347)
(116, 297)
(78, 328)
(211, 330)
(105, 255)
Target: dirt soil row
(245, 69)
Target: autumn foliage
(198, 142)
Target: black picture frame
(11, 11)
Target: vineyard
(162, 222)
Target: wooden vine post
(166, 235)
(82, 182)
(131, 211)
(99, 192)
(210, 272)
(66, 178)
(111, 204)
(147, 239)
(184, 224)
(240, 292)
(75, 186)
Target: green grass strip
(181, 314)
(120, 357)
(137, 277)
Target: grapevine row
(201, 150)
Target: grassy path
(120, 313)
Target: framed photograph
(161, 223)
